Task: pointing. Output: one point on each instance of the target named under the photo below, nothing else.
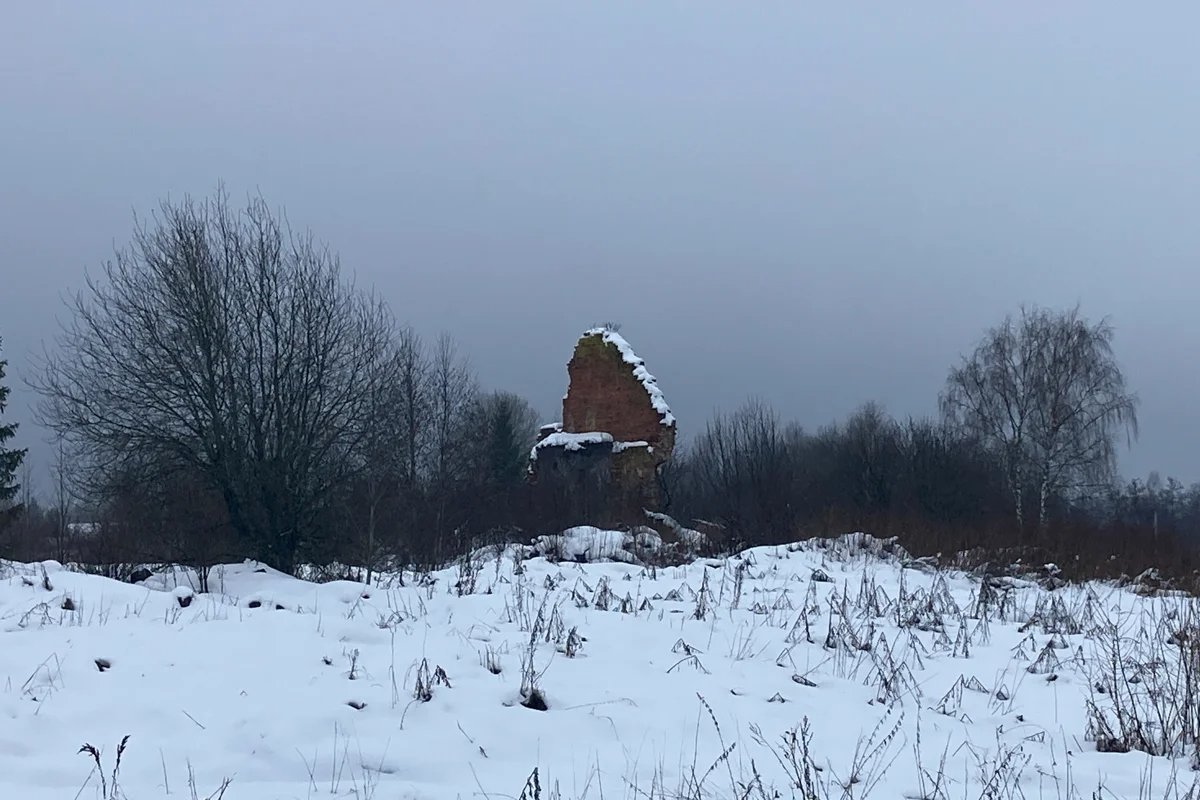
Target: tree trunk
(1043, 500)
(371, 537)
(1019, 506)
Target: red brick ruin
(601, 465)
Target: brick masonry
(606, 395)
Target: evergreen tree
(507, 426)
(10, 460)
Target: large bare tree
(222, 341)
(1045, 393)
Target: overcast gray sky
(818, 205)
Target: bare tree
(63, 474)
(413, 398)
(872, 445)
(1154, 488)
(946, 478)
(224, 342)
(25, 495)
(743, 465)
(166, 513)
(452, 391)
(1045, 393)
(382, 454)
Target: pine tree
(10, 460)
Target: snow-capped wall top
(657, 399)
(578, 441)
(571, 441)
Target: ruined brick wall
(635, 486)
(609, 483)
(573, 487)
(596, 486)
(605, 395)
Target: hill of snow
(826, 664)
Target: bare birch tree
(1044, 392)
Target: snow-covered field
(697, 681)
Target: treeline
(420, 505)
(753, 478)
(941, 490)
(223, 391)
(765, 481)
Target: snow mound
(588, 544)
(691, 539)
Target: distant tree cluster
(222, 391)
(765, 481)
